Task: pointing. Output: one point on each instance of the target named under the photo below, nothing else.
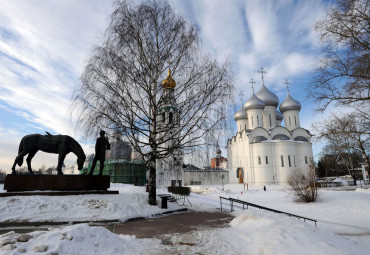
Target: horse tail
(20, 159)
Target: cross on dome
(252, 82)
(241, 94)
(287, 83)
(262, 71)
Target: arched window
(282, 160)
(295, 120)
(163, 117)
(305, 160)
(258, 121)
(259, 139)
(170, 118)
(270, 120)
(301, 139)
(252, 121)
(290, 123)
(267, 160)
(280, 137)
(259, 160)
(289, 161)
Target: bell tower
(169, 169)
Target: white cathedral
(262, 151)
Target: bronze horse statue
(58, 144)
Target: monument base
(56, 182)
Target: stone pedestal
(55, 182)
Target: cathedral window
(270, 120)
(258, 121)
(163, 117)
(305, 160)
(252, 122)
(259, 160)
(267, 160)
(295, 120)
(290, 123)
(289, 161)
(282, 160)
(170, 118)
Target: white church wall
(269, 117)
(291, 119)
(242, 125)
(255, 118)
(301, 132)
(278, 131)
(263, 173)
(305, 156)
(285, 151)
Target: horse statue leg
(18, 160)
(31, 154)
(60, 163)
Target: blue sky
(44, 45)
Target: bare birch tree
(348, 136)
(342, 76)
(121, 85)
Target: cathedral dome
(241, 114)
(169, 82)
(279, 115)
(290, 103)
(267, 96)
(254, 103)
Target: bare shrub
(303, 185)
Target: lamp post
(217, 164)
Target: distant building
(219, 163)
(122, 164)
(71, 169)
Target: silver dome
(254, 103)
(267, 96)
(290, 103)
(279, 115)
(241, 114)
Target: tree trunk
(152, 183)
(354, 179)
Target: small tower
(290, 109)
(271, 102)
(241, 116)
(168, 169)
(254, 108)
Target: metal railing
(245, 203)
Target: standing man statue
(101, 146)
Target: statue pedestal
(56, 182)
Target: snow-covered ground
(130, 203)
(343, 223)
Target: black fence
(247, 204)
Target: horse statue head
(80, 161)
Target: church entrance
(240, 174)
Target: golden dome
(169, 82)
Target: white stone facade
(263, 152)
